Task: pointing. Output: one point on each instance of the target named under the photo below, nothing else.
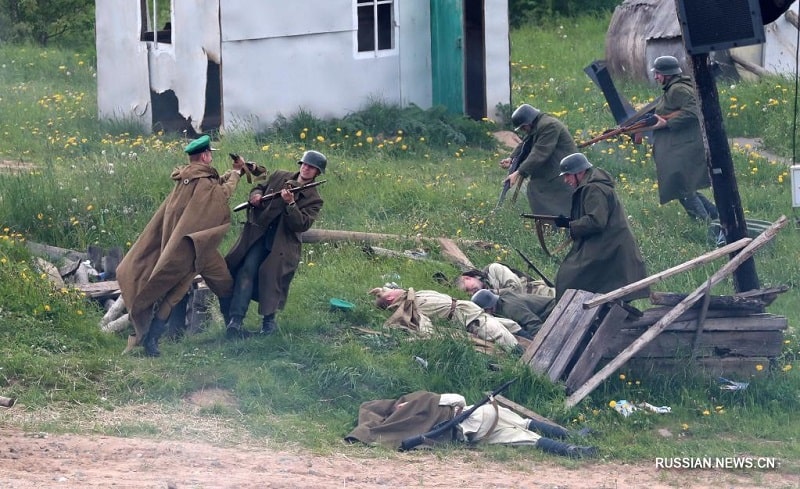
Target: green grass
(99, 184)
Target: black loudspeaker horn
(713, 25)
(772, 9)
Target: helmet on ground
(667, 65)
(525, 114)
(485, 298)
(574, 163)
(315, 159)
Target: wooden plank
(525, 412)
(726, 302)
(577, 331)
(550, 323)
(652, 315)
(656, 329)
(689, 265)
(756, 322)
(596, 348)
(711, 344)
(99, 289)
(453, 253)
(739, 369)
(552, 346)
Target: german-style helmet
(667, 65)
(315, 159)
(574, 163)
(525, 114)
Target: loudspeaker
(712, 25)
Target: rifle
(533, 267)
(507, 184)
(414, 441)
(646, 120)
(539, 219)
(270, 196)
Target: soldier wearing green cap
(678, 149)
(264, 259)
(179, 243)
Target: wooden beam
(726, 302)
(689, 265)
(451, 250)
(665, 321)
(748, 65)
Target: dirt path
(37, 460)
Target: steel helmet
(485, 298)
(525, 114)
(315, 159)
(667, 65)
(574, 163)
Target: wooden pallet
(554, 346)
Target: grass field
(90, 183)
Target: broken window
(155, 13)
(375, 25)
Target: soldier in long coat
(264, 259)
(678, 149)
(546, 141)
(604, 255)
(179, 242)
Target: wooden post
(672, 315)
(720, 166)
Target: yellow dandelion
(3, 261)
(759, 367)
(321, 139)
(787, 367)
(302, 135)
(79, 312)
(612, 404)
(47, 308)
(40, 216)
(358, 133)
(89, 207)
(685, 427)
(706, 412)
(621, 376)
(369, 139)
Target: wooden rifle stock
(414, 441)
(646, 121)
(272, 195)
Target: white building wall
(123, 91)
(498, 56)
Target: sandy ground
(36, 460)
(191, 449)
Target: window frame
(376, 51)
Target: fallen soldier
(415, 308)
(388, 422)
(499, 279)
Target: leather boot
(694, 208)
(546, 429)
(235, 329)
(157, 328)
(225, 309)
(565, 449)
(268, 324)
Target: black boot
(694, 208)
(713, 213)
(268, 324)
(547, 429)
(225, 309)
(235, 329)
(157, 328)
(565, 449)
